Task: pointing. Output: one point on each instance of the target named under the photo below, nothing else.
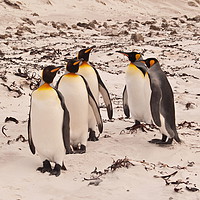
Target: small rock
(124, 32)
(137, 37)
(197, 18)
(84, 25)
(153, 27)
(92, 24)
(198, 1)
(74, 26)
(1, 54)
(148, 22)
(53, 34)
(5, 36)
(193, 4)
(14, 5)
(8, 28)
(105, 25)
(27, 20)
(109, 32)
(25, 29)
(35, 14)
(164, 25)
(173, 32)
(41, 22)
(196, 34)
(182, 21)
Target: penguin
(97, 86)
(48, 124)
(161, 103)
(78, 97)
(135, 102)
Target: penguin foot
(136, 126)
(80, 150)
(56, 170)
(63, 167)
(161, 142)
(92, 136)
(156, 141)
(46, 167)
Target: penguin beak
(78, 61)
(125, 54)
(56, 69)
(88, 50)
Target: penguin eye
(137, 56)
(152, 62)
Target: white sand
(179, 55)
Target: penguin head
(132, 56)
(150, 62)
(73, 65)
(49, 73)
(84, 53)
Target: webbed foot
(136, 126)
(46, 167)
(63, 167)
(56, 170)
(162, 141)
(80, 149)
(92, 136)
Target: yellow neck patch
(132, 70)
(84, 64)
(45, 86)
(70, 75)
(131, 65)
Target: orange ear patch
(137, 56)
(152, 62)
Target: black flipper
(106, 97)
(125, 103)
(66, 126)
(155, 102)
(95, 107)
(92, 136)
(57, 83)
(30, 141)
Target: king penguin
(78, 96)
(161, 103)
(135, 101)
(48, 124)
(97, 86)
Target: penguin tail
(177, 139)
